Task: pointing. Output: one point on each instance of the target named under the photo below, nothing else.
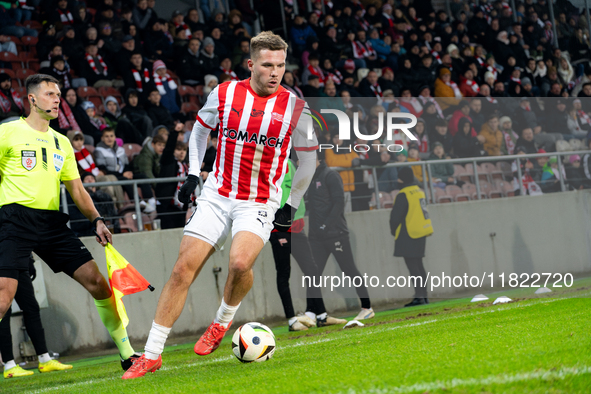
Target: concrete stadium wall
(549, 233)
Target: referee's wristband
(95, 221)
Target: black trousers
(341, 249)
(25, 297)
(416, 268)
(282, 250)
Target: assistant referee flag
(124, 280)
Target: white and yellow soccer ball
(253, 342)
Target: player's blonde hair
(266, 40)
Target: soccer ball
(253, 342)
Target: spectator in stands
(6, 45)
(413, 156)
(447, 92)
(190, 68)
(419, 131)
(83, 156)
(103, 203)
(138, 116)
(111, 45)
(575, 124)
(578, 46)
(66, 120)
(300, 32)
(312, 89)
(138, 76)
(158, 42)
(147, 163)
(289, 83)
(156, 111)
(60, 70)
(575, 174)
(10, 28)
(94, 68)
(166, 86)
(143, 17)
(112, 160)
(170, 209)
(440, 134)
(465, 144)
(525, 118)
(96, 120)
(10, 101)
(91, 133)
(442, 174)
(510, 137)
(493, 143)
(550, 182)
(462, 111)
(369, 87)
(210, 61)
(527, 141)
(46, 41)
(468, 86)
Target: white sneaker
(297, 326)
(149, 208)
(365, 314)
(305, 320)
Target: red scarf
(86, 162)
(231, 73)
(493, 100)
(584, 117)
(318, 72)
(337, 77)
(509, 141)
(90, 61)
(159, 83)
(516, 80)
(138, 78)
(66, 18)
(377, 90)
(436, 56)
(361, 50)
(480, 61)
(493, 71)
(363, 23)
(183, 170)
(455, 88)
(432, 100)
(5, 102)
(473, 85)
(66, 118)
(184, 27)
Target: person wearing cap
(11, 103)
(210, 60)
(312, 88)
(128, 47)
(550, 182)
(410, 225)
(510, 137)
(447, 91)
(166, 86)
(178, 23)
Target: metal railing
(426, 168)
(425, 165)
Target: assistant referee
(33, 160)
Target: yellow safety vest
(418, 223)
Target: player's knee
(240, 266)
(181, 273)
(98, 287)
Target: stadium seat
(459, 170)
(441, 196)
(127, 222)
(34, 65)
(188, 94)
(9, 57)
(386, 200)
(468, 173)
(27, 107)
(456, 193)
(199, 90)
(22, 74)
(16, 83)
(85, 91)
(576, 144)
(487, 188)
(394, 193)
(492, 171)
(29, 44)
(470, 189)
(483, 174)
(25, 57)
(505, 168)
(105, 92)
(31, 24)
(9, 72)
(505, 187)
(189, 109)
(22, 91)
(132, 150)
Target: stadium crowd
(487, 80)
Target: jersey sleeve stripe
(203, 123)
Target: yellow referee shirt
(32, 164)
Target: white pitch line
(543, 374)
(323, 340)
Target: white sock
(292, 320)
(152, 201)
(43, 358)
(322, 316)
(9, 365)
(225, 314)
(311, 315)
(156, 340)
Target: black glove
(188, 188)
(32, 270)
(284, 217)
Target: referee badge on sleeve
(29, 159)
(58, 162)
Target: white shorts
(215, 214)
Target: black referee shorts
(23, 230)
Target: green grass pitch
(536, 344)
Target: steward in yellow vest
(410, 225)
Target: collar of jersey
(255, 94)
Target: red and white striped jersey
(254, 139)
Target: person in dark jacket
(464, 143)
(190, 69)
(328, 232)
(138, 116)
(410, 225)
(172, 164)
(156, 111)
